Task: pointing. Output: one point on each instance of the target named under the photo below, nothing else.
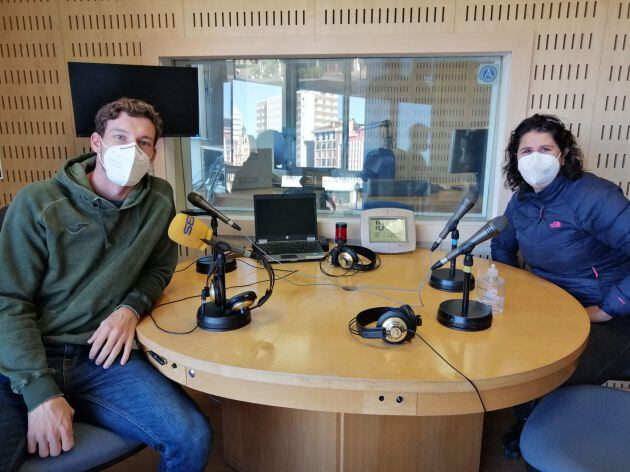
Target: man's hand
(50, 428)
(596, 314)
(114, 333)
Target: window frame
(516, 49)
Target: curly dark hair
(131, 106)
(572, 166)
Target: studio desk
(300, 393)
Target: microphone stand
(451, 279)
(465, 314)
(211, 315)
(205, 264)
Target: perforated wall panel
(580, 69)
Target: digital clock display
(388, 230)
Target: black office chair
(95, 448)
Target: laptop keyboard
(296, 247)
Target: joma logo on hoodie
(76, 228)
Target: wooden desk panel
(297, 353)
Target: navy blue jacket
(575, 234)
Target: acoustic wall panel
(373, 16)
(580, 68)
(112, 31)
(225, 18)
(35, 114)
(524, 15)
(568, 38)
(609, 146)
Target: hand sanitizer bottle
(491, 289)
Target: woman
(573, 229)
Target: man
(85, 255)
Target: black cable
(352, 326)
(266, 257)
(353, 330)
(264, 262)
(168, 303)
(310, 285)
(166, 330)
(262, 281)
(290, 272)
(455, 369)
(211, 271)
(288, 275)
(184, 268)
(175, 301)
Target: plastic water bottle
(491, 289)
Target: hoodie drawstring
(100, 219)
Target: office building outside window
(415, 130)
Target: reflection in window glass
(417, 131)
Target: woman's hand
(596, 314)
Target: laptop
(286, 227)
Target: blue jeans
(607, 354)
(133, 400)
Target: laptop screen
(285, 217)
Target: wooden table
(301, 393)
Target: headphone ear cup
(381, 319)
(394, 322)
(347, 257)
(241, 301)
(215, 289)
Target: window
(419, 130)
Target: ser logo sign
(188, 225)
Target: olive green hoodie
(69, 258)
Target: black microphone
(225, 246)
(487, 231)
(467, 202)
(204, 204)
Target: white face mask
(539, 169)
(125, 164)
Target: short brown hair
(131, 106)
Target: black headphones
(347, 257)
(217, 314)
(393, 325)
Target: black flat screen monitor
(173, 91)
(468, 150)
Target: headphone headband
(234, 312)
(368, 254)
